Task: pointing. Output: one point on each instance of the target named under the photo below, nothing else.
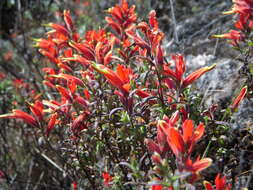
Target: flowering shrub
(240, 37)
(115, 111)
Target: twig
(249, 180)
(174, 21)
(29, 174)
(205, 27)
(51, 162)
(40, 178)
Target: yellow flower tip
(206, 182)
(212, 67)
(67, 58)
(48, 24)
(50, 32)
(35, 45)
(108, 10)
(102, 69)
(218, 36)
(161, 122)
(29, 103)
(72, 43)
(228, 12)
(36, 39)
(5, 115)
(210, 161)
(55, 76)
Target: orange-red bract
(19, 114)
(220, 183)
(175, 141)
(195, 75)
(120, 79)
(181, 143)
(107, 178)
(68, 20)
(234, 35)
(177, 75)
(51, 123)
(239, 98)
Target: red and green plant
(115, 111)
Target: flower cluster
(243, 24)
(181, 141)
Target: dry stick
(216, 46)
(29, 174)
(40, 178)
(205, 27)
(209, 86)
(50, 161)
(174, 21)
(201, 105)
(249, 179)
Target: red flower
(18, 114)
(181, 144)
(19, 83)
(239, 98)
(107, 178)
(2, 76)
(243, 7)
(51, 54)
(85, 49)
(8, 56)
(68, 20)
(177, 75)
(74, 185)
(93, 36)
(2, 175)
(58, 29)
(157, 187)
(46, 44)
(51, 123)
(153, 37)
(220, 183)
(64, 92)
(198, 165)
(176, 142)
(120, 79)
(160, 187)
(196, 74)
(234, 35)
(78, 123)
(122, 18)
(37, 110)
(69, 78)
(242, 23)
(153, 20)
(161, 147)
